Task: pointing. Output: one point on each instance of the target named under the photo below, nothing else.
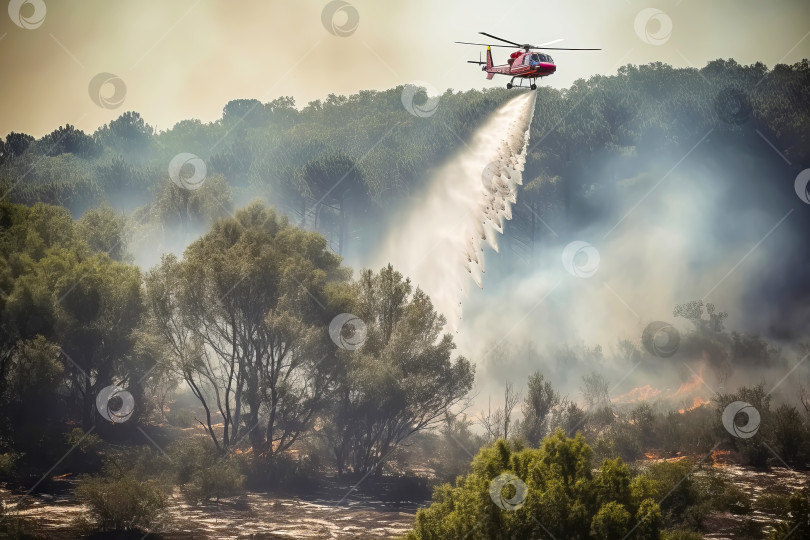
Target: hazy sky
(187, 58)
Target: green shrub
(563, 497)
(181, 417)
(190, 454)
(123, 503)
(798, 526)
(144, 462)
(612, 522)
(85, 458)
(681, 535)
(676, 489)
(87, 444)
(8, 462)
(220, 480)
(289, 473)
(775, 503)
(721, 494)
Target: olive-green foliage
(564, 498)
(242, 318)
(717, 488)
(220, 480)
(266, 149)
(122, 503)
(58, 286)
(202, 472)
(798, 524)
(677, 493)
(402, 380)
(679, 534)
(777, 504)
(8, 461)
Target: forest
(164, 340)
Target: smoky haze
(715, 225)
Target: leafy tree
(128, 134)
(68, 140)
(241, 319)
(540, 399)
(14, 145)
(754, 450)
(402, 380)
(86, 302)
(104, 230)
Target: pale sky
(186, 58)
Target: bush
(144, 462)
(676, 489)
(181, 417)
(612, 522)
(85, 457)
(202, 472)
(190, 455)
(681, 535)
(721, 494)
(562, 497)
(775, 503)
(297, 474)
(7, 464)
(123, 503)
(798, 526)
(220, 480)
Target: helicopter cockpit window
(537, 57)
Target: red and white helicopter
(521, 65)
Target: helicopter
(522, 65)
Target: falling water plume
(439, 242)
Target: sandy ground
(255, 515)
(325, 515)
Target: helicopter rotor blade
(562, 49)
(485, 44)
(501, 39)
(552, 42)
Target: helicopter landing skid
(511, 84)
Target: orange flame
(720, 458)
(696, 403)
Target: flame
(685, 391)
(696, 403)
(692, 384)
(642, 393)
(720, 458)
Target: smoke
(710, 229)
(439, 241)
